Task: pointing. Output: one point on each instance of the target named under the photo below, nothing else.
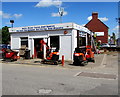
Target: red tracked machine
(9, 55)
(89, 54)
(82, 54)
(79, 56)
(52, 56)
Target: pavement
(67, 64)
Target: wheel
(8, 60)
(84, 63)
(76, 63)
(93, 61)
(55, 63)
(15, 59)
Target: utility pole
(61, 11)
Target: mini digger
(52, 57)
(89, 54)
(79, 56)
(83, 55)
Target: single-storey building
(62, 36)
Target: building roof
(38, 28)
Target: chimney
(94, 15)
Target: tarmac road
(21, 79)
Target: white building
(62, 36)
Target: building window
(24, 41)
(54, 41)
(82, 41)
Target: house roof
(98, 20)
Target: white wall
(65, 40)
(66, 47)
(15, 42)
(74, 41)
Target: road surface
(22, 79)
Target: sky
(46, 12)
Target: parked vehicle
(3, 46)
(105, 45)
(113, 45)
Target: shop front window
(24, 41)
(54, 41)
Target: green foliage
(114, 37)
(5, 35)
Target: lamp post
(12, 21)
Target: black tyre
(55, 63)
(8, 60)
(84, 63)
(76, 63)
(93, 60)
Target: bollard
(62, 60)
(32, 56)
(105, 50)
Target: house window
(24, 41)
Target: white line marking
(103, 61)
(77, 74)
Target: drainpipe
(78, 41)
(86, 39)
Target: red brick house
(97, 26)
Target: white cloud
(17, 15)
(116, 28)
(48, 3)
(102, 19)
(0, 13)
(89, 18)
(8, 23)
(7, 15)
(57, 14)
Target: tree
(5, 35)
(114, 37)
